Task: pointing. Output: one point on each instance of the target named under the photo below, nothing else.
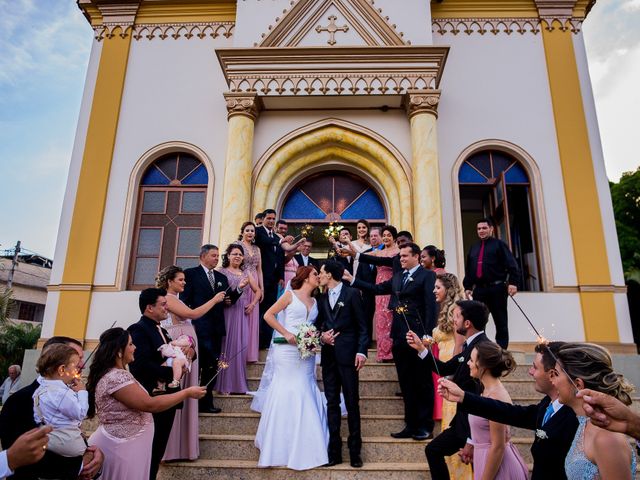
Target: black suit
(16, 418)
(549, 453)
(148, 370)
(416, 383)
(338, 364)
(455, 437)
(272, 272)
(368, 273)
(380, 261)
(210, 327)
(311, 261)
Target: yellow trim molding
(333, 146)
(585, 219)
(91, 197)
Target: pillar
(242, 110)
(422, 109)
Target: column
(242, 110)
(578, 175)
(422, 109)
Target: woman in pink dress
(383, 317)
(494, 456)
(123, 406)
(253, 266)
(233, 379)
(432, 258)
(183, 441)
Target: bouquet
(307, 340)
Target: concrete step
(374, 449)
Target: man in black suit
(304, 258)
(368, 273)
(148, 335)
(16, 418)
(272, 253)
(469, 319)
(491, 274)
(204, 283)
(413, 303)
(344, 352)
(558, 422)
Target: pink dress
(184, 442)
(512, 466)
(251, 262)
(290, 269)
(234, 345)
(124, 435)
(383, 317)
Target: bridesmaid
(253, 266)
(432, 258)
(236, 318)
(361, 244)
(183, 441)
(383, 317)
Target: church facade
(197, 115)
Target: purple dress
(251, 261)
(512, 466)
(234, 346)
(184, 441)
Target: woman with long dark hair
(124, 408)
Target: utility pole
(14, 263)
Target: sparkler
(224, 364)
(305, 232)
(86, 362)
(402, 310)
(543, 341)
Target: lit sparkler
(224, 364)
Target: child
(61, 401)
(177, 360)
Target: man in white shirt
(12, 383)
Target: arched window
(169, 217)
(332, 197)
(494, 184)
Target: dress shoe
(422, 435)
(356, 461)
(333, 461)
(406, 433)
(210, 409)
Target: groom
(344, 352)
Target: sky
(43, 60)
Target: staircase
(227, 449)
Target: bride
(293, 429)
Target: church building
(198, 114)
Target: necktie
(332, 298)
(270, 234)
(464, 346)
(405, 277)
(164, 339)
(212, 280)
(480, 259)
(547, 414)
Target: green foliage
(15, 338)
(626, 206)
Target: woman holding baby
(183, 442)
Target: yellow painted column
(93, 182)
(236, 193)
(427, 205)
(585, 219)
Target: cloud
(631, 5)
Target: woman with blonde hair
(595, 453)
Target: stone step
(372, 425)
(374, 449)
(371, 387)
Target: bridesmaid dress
(251, 261)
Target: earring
(119, 355)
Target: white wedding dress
(293, 430)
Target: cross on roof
(332, 28)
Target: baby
(61, 401)
(176, 359)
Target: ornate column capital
(245, 104)
(422, 101)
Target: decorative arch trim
(538, 211)
(333, 144)
(141, 165)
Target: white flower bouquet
(307, 340)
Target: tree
(15, 338)
(626, 207)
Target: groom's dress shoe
(406, 433)
(333, 461)
(422, 435)
(210, 409)
(356, 461)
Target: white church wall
(625, 331)
(597, 156)
(109, 307)
(249, 26)
(411, 17)
(496, 87)
(173, 92)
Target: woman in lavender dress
(236, 317)
(183, 441)
(253, 266)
